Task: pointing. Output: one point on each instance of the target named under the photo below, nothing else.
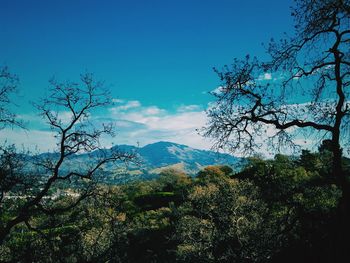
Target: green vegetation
(271, 211)
(287, 209)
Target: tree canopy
(303, 89)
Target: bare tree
(8, 86)
(303, 88)
(67, 110)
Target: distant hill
(162, 154)
(151, 160)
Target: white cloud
(153, 110)
(126, 105)
(117, 101)
(185, 108)
(218, 90)
(265, 76)
(32, 139)
(136, 123)
(151, 124)
(180, 121)
(134, 107)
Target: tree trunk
(342, 228)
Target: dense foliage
(270, 211)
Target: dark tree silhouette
(8, 160)
(303, 88)
(8, 85)
(67, 110)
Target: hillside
(150, 161)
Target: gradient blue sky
(159, 53)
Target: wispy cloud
(33, 140)
(219, 90)
(117, 100)
(186, 108)
(154, 124)
(134, 123)
(139, 124)
(126, 105)
(265, 76)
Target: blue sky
(156, 56)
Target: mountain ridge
(152, 159)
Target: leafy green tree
(301, 203)
(94, 231)
(214, 172)
(219, 221)
(173, 180)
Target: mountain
(154, 158)
(151, 160)
(162, 154)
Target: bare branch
(76, 134)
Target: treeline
(280, 210)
